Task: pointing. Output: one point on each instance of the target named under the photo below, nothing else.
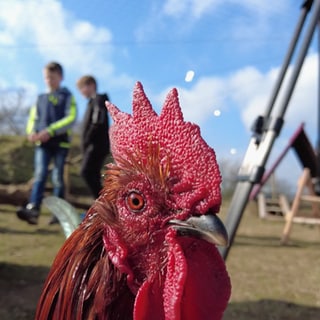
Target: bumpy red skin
(131, 264)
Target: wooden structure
(304, 183)
(272, 208)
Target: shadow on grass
(27, 232)
(8, 210)
(20, 288)
(270, 310)
(274, 242)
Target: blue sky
(234, 47)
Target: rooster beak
(207, 227)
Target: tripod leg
(236, 208)
(306, 6)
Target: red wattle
(195, 286)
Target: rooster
(146, 249)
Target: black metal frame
(267, 127)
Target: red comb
(192, 162)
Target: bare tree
(13, 111)
(229, 170)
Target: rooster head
(161, 197)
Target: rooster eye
(135, 201)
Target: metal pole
(300, 58)
(306, 6)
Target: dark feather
(83, 283)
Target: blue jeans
(42, 158)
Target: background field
(269, 281)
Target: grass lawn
(269, 281)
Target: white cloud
(85, 31)
(55, 34)
(6, 39)
(3, 83)
(36, 32)
(199, 101)
(302, 106)
(248, 23)
(175, 7)
(249, 90)
(197, 9)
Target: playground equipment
(267, 127)
(305, 182)
(304, 151)
(274, 207)
(277, 206)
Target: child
(49, 128)
(95, 138)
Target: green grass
(26, 253)
(269, 281)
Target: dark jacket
(95, 126)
